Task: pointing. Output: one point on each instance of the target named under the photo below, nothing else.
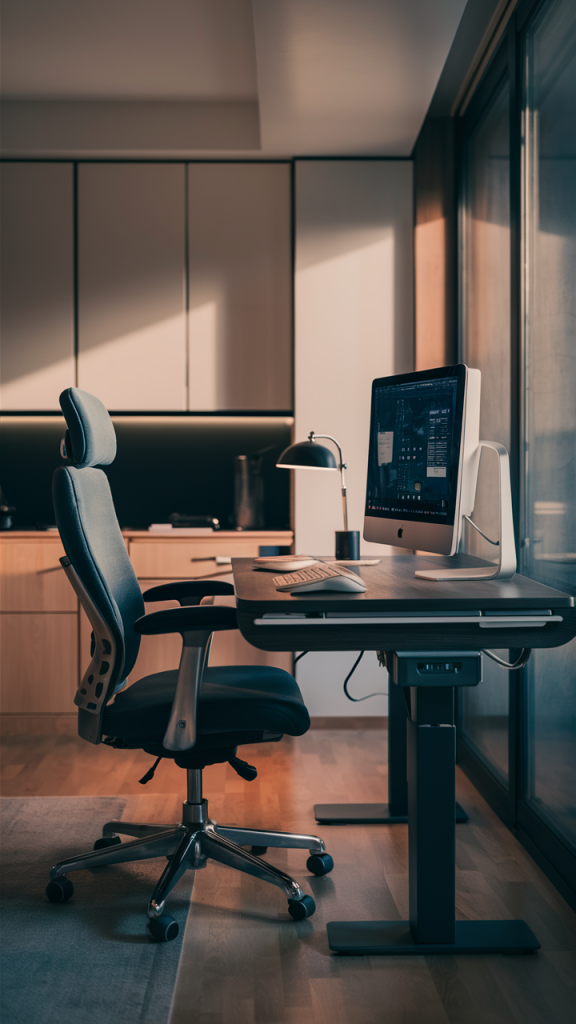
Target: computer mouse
(284, 563)
(345, 583)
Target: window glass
(485, 345)
(549, 297)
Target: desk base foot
(367, 814)
(394, 938)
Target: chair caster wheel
(162, 929)
(300, 909)
(106, 841)
(258, 850)
(320, 864)
(60, 890)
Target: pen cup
(348, 545)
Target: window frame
(546, 848)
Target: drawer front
(32, 579)
(179, 559)
(39, 662)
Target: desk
(400, 613)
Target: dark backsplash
(164, 464)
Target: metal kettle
(249, 491)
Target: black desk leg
(395, 812)
(432, 927)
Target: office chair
(195, 714)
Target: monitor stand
(506, 565)
(395, 812)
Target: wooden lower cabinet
(158, 653)
(31, 577)
(45, 637)
(38, 662)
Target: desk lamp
(310, 455)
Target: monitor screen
(415, 445)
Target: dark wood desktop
(393, 590)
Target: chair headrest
(90, 439)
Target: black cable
(379, 693)
(513, 666)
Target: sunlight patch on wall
(430, 274)
(345, 326)
(203, 358)
(40, 389)
(143, 369)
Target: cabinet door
(131, 266)
(32, 579)
(37, 253)
(240, 291)
(38, 662)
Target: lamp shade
(307, 455)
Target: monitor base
(437, 575)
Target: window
(549, 336)
(517, 317)
(485, 345)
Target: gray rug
(88, 959)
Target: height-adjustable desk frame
(395, 812)
(422, 626)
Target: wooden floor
(245, 962)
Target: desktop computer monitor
(423, 458)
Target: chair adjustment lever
(150, 773)
(243, 769)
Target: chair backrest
(97, 561)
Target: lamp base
(347, 545)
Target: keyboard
(320, 577)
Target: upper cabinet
(178, 278)
(131, 285)
(240, 287)
(37, 259)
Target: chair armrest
(186, 620)
(196, 626)
(189, 592)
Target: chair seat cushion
(232, 700)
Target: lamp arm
(342, 466)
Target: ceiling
(324, 77)
(128, 50)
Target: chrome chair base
(189, 845)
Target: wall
(354, 316)
(435, 244)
